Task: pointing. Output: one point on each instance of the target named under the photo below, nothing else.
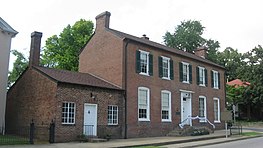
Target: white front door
(90, 119)
(186, 108)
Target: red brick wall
(81, 95)
(31, 97)
(156, 127)
(103, 56)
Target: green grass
(12, 140)
(250, 134)
(148, 147)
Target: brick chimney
(102, 21)
(35, 49)
(201, 52)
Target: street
(253, 143)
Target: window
(144, 62)
(185, 72)
(68, 113)
(166, 105)
(112, 115)
(202, 108)
(201, 74)
(216, 110)
(215, 75)
(165, 68)
(143, 104)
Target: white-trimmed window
(166, 105)
(216, 110)
(144, 62)
(202, 76)
(112, 115)
(68, 113)
(143, 104)
(215, 79)
(202, 108)
(185, 72)
(166, 67)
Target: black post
(31, 133)
(52, 132)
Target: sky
(234, 23)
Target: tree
(233, 61)
(62, 51)
(19, 66)
(188, 37)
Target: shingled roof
(65, 76)
(161, 47)
(6, 27)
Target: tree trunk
(248, 112)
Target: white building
(6, 35)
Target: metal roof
(7, 28)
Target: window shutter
(160, 62)
(138, 61)
(197, 76)
(190, 74)
(150, 64)
(181, 71)
(171, 69)
(212, 79)
(218, 80)
(206, 77)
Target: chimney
(35, 49)
(145, 37)
(201, 52)
(102, 21)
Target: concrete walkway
(188, 141)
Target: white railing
(194, 118)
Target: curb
(193, 140)
(219, 142)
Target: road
(252, 143)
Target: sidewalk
(216, 137)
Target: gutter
(125, 88)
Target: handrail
(193, 118)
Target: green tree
(233, 62)
(19, 66)
(62, 51)
(188, 37)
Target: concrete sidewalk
(188, 141)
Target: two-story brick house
(126, 87)
(163, 86)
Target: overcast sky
(234, 23)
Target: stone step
(96, 140)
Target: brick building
(126, 86)
(163, 86)
(67, 98)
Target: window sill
(166, 120)
(147, 120)
(216, 88)
(165, 78)
(113, 124)
(186, 82)
(68, 124)
(202, 85)
(144, 74)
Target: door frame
(96, 117)
(190, 104)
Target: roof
(238, 82)
(6, 27)
(65, 76)
(163, 47)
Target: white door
(90, 119)
(186, 110)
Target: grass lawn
(148, 147)
(251, 134)
(12, 140)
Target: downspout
(125, 86)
